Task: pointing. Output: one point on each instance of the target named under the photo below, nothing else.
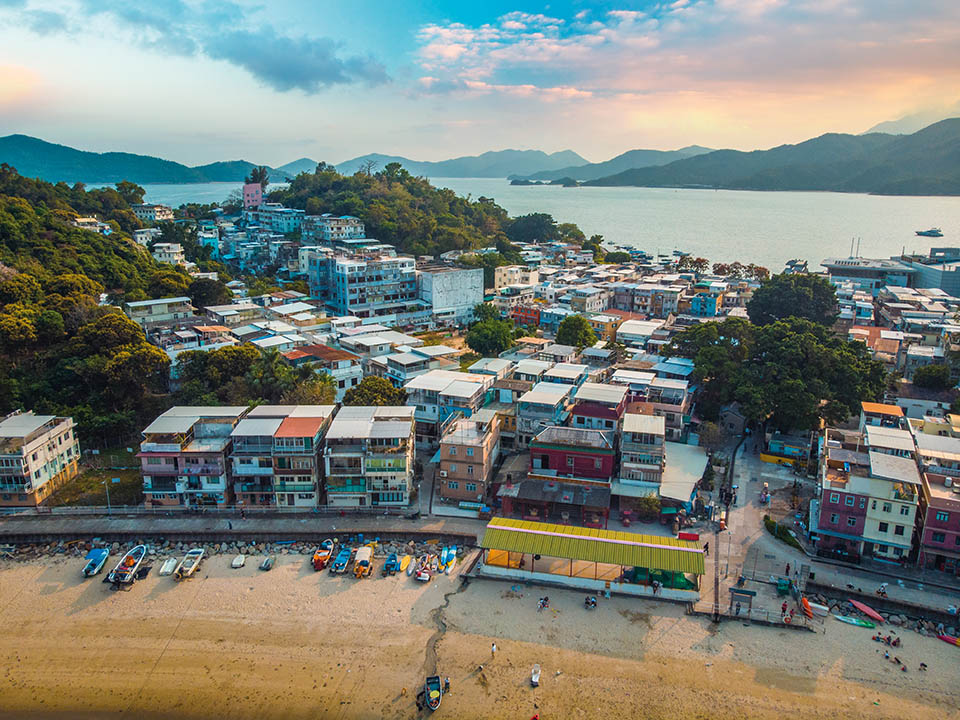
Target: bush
(781, 532)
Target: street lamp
(107, 486)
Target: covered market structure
(593, 559)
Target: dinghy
(169, 565)
(433, 691)
(96, 559)
(238, 561)
(451, 559)
(188, 566)
(867, 610)
(268, 562)
(860, 622)
(405, 563)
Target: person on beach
(882, 590)
(706, 549)
(923, 666)
(783, 609)
(787, 571)
(493, 649)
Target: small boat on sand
(422, 572)
(867, 610)
(322, 555)
(819, 610)
(433, 691)
(125, 573)
(859, 622)
(451, 559)
(188, 566)
(950, 640)
(238, 561)
(805, 607)
(434, 563)
(405, 563)
(96, 559)
(268, 562)
(169, 565)
(391, 565)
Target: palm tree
(259, 174)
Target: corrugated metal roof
(604, 546)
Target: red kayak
(951, 640)
(867, 610)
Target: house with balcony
(545, 405)
(643, 440)
(401, 367)
(637, 333)
(671, 400)
(637, 382)
(185, 456)
(573, 374)
(163, 311)
(939, 520)
(368, 457)
(506, 393)
(531, 370)
(437, 395)
(38, 455)
(880, 415)
(598, 406)
(469, 452)
(555, 353)
(496, 367)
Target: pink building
(940, 510)
(566, 452)
(252, 195)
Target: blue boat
(96, 559)
(932, 232)
(391, 566)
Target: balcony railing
(294, 487)
(362, 488)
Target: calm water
(767, 228)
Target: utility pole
(107, 486)
(716, 576)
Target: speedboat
(932, 232)
(433, 691)
(188, 566)
(96, 559)
(125, 573)
(339, 565)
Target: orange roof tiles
(300, 427)
(881, 409)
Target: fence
(179, 510)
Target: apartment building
(868, 274)
(573, 453)
(344, 367)
(171, 253)
(252, 195)
(144, 236)
(671, 400)
(368, 457)
(589, 299)
(38, 455)
(437, 395)
(450, 293)
(377, 287)
(234, 314)
(939, 515)
(469, 452)
(598, 406)
(327, 229)
(185, 456)
(650, 299)
(153, 213)
(515, 275)
(642, 457)
(275, 455)
(545, 405)
(151, 313)
(274, 217)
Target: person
(493, 649)
(923, 666)
(787, 571)
(791, 614)
(882, 590)
(421, 699)
(738, 608)
(783, 609)
(886, 654)
(897, 660)
(446, 684)
(706, 549)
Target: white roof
(407, 358)
(566, 370)
(532, 367)
(438, 380)
(292, 308)
(684, 467)
(629, 377)
(546, 393)
(461, 388)
(639, 327)
(892, 438)
(435, 350)
(649, 424)
(261, 427)
(597, 392)
(492, 364)
(369, 422)
(23, 424)
(894, 467)
(158, 301)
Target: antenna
(858, 246)
(851, 247)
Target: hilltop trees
(794, 295)
(374, 391)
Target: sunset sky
(274, 81)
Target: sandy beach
(292, 643)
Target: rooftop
(557, 349)
(881, 409)
(892, 438)
(578, 437)
(300, 427)
(546, 393)
(21, 425)
(894, 467)
(256, 427)
(599, 393)
(649, 424)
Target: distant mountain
(37, 158)
(912, 123)
(626, 161)
(298, 166)
(924, 163)
(498, 163)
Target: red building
(573, 453)
(526, 315)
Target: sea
(766, 228)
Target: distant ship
(932, 232)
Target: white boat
(96, 559)
(451, 558)
(125, 573)
(169, 565)
(818, 609)
(188, 566)
(238, 561)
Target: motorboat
(340, 564)
(433, 691)
(364, 562)
(188, 566)
(125, 573)
(932, 232)
(238, 562)
(268, 562)
(96, 559)
(321, 556)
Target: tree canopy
(575, 330)
(374, 391)
(490, 336)
(794, 295)
(933, 377)
(791, 372)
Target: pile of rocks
(906, 622)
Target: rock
(952, 631)
(894, 620)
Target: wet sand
(292, 643)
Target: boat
(188, 566)
(268, 562)
(433, 691)
(238, 561)
(949, 639)
(805, 606)
(321, 556)
(125, 573)
(169, 565)
(451, 559)
(391, 566)
(364, 562)
(819, 610)
(340, 564)
(434, 563)
(867, 610)
(422, 572)
(96, 559)
(535, 676)
(860, 622)
(932, 232)
(405, 563)
(442, 560)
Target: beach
(292, 643)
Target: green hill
(924, 163)
(625, 161)
(497, 164)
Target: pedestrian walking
(787, 571)
(706, 549)
(493, 648)
(783, 609)
(738, 608)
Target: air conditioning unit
(443, 473)
(947, 481)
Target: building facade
(38, 455)
(469, 451)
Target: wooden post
(571, 568)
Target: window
(943, 516)
(834, 518)
(469, 452)
(596, 464)
(834, 498)
(898, 551)
(898, 529)
(863, 503)
(938, 537)
(873, 505)
(469, 469)
(471, 487)
(883, 527)
(904, 509)
(453, 484)
(569, 461)
(453, 451)
(608, 423)
(581, 419)
(882, 549)
(453, 467)
(956, 541)
(851, 520)
(887, 507)
(848, 500)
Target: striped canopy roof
(603, 546)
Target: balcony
(335, 489)
(248, 470)
(162, 485)
(294, 487)
(253, 487)
(199, 469)
(165, 447)
(301, 450)
(242, 448)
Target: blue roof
(673, 368)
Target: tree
(320, 389)
(204, 292)
(615, 258)
(491, 337)
(168, 283)
(374, 391)
(21, 288)
(535, 227)
(485, 311)
(259, 174)
(794, 295)
(575, 330)
(712, 436)
(131, 192)
(933, 377)
(698, 264)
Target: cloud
(222, 30)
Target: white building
(451, 293)
(171, 253)
(38, 454)
(153, 213)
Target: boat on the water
(932, 232)
(867, 610)
(169, 565)
(125, 573)
(322, 554)
(188, 566)
(859, 622)
(433, 691)
(96, 559)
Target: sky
(204, 80)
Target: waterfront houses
(149, 212)
(38, 455)
(469, 451)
